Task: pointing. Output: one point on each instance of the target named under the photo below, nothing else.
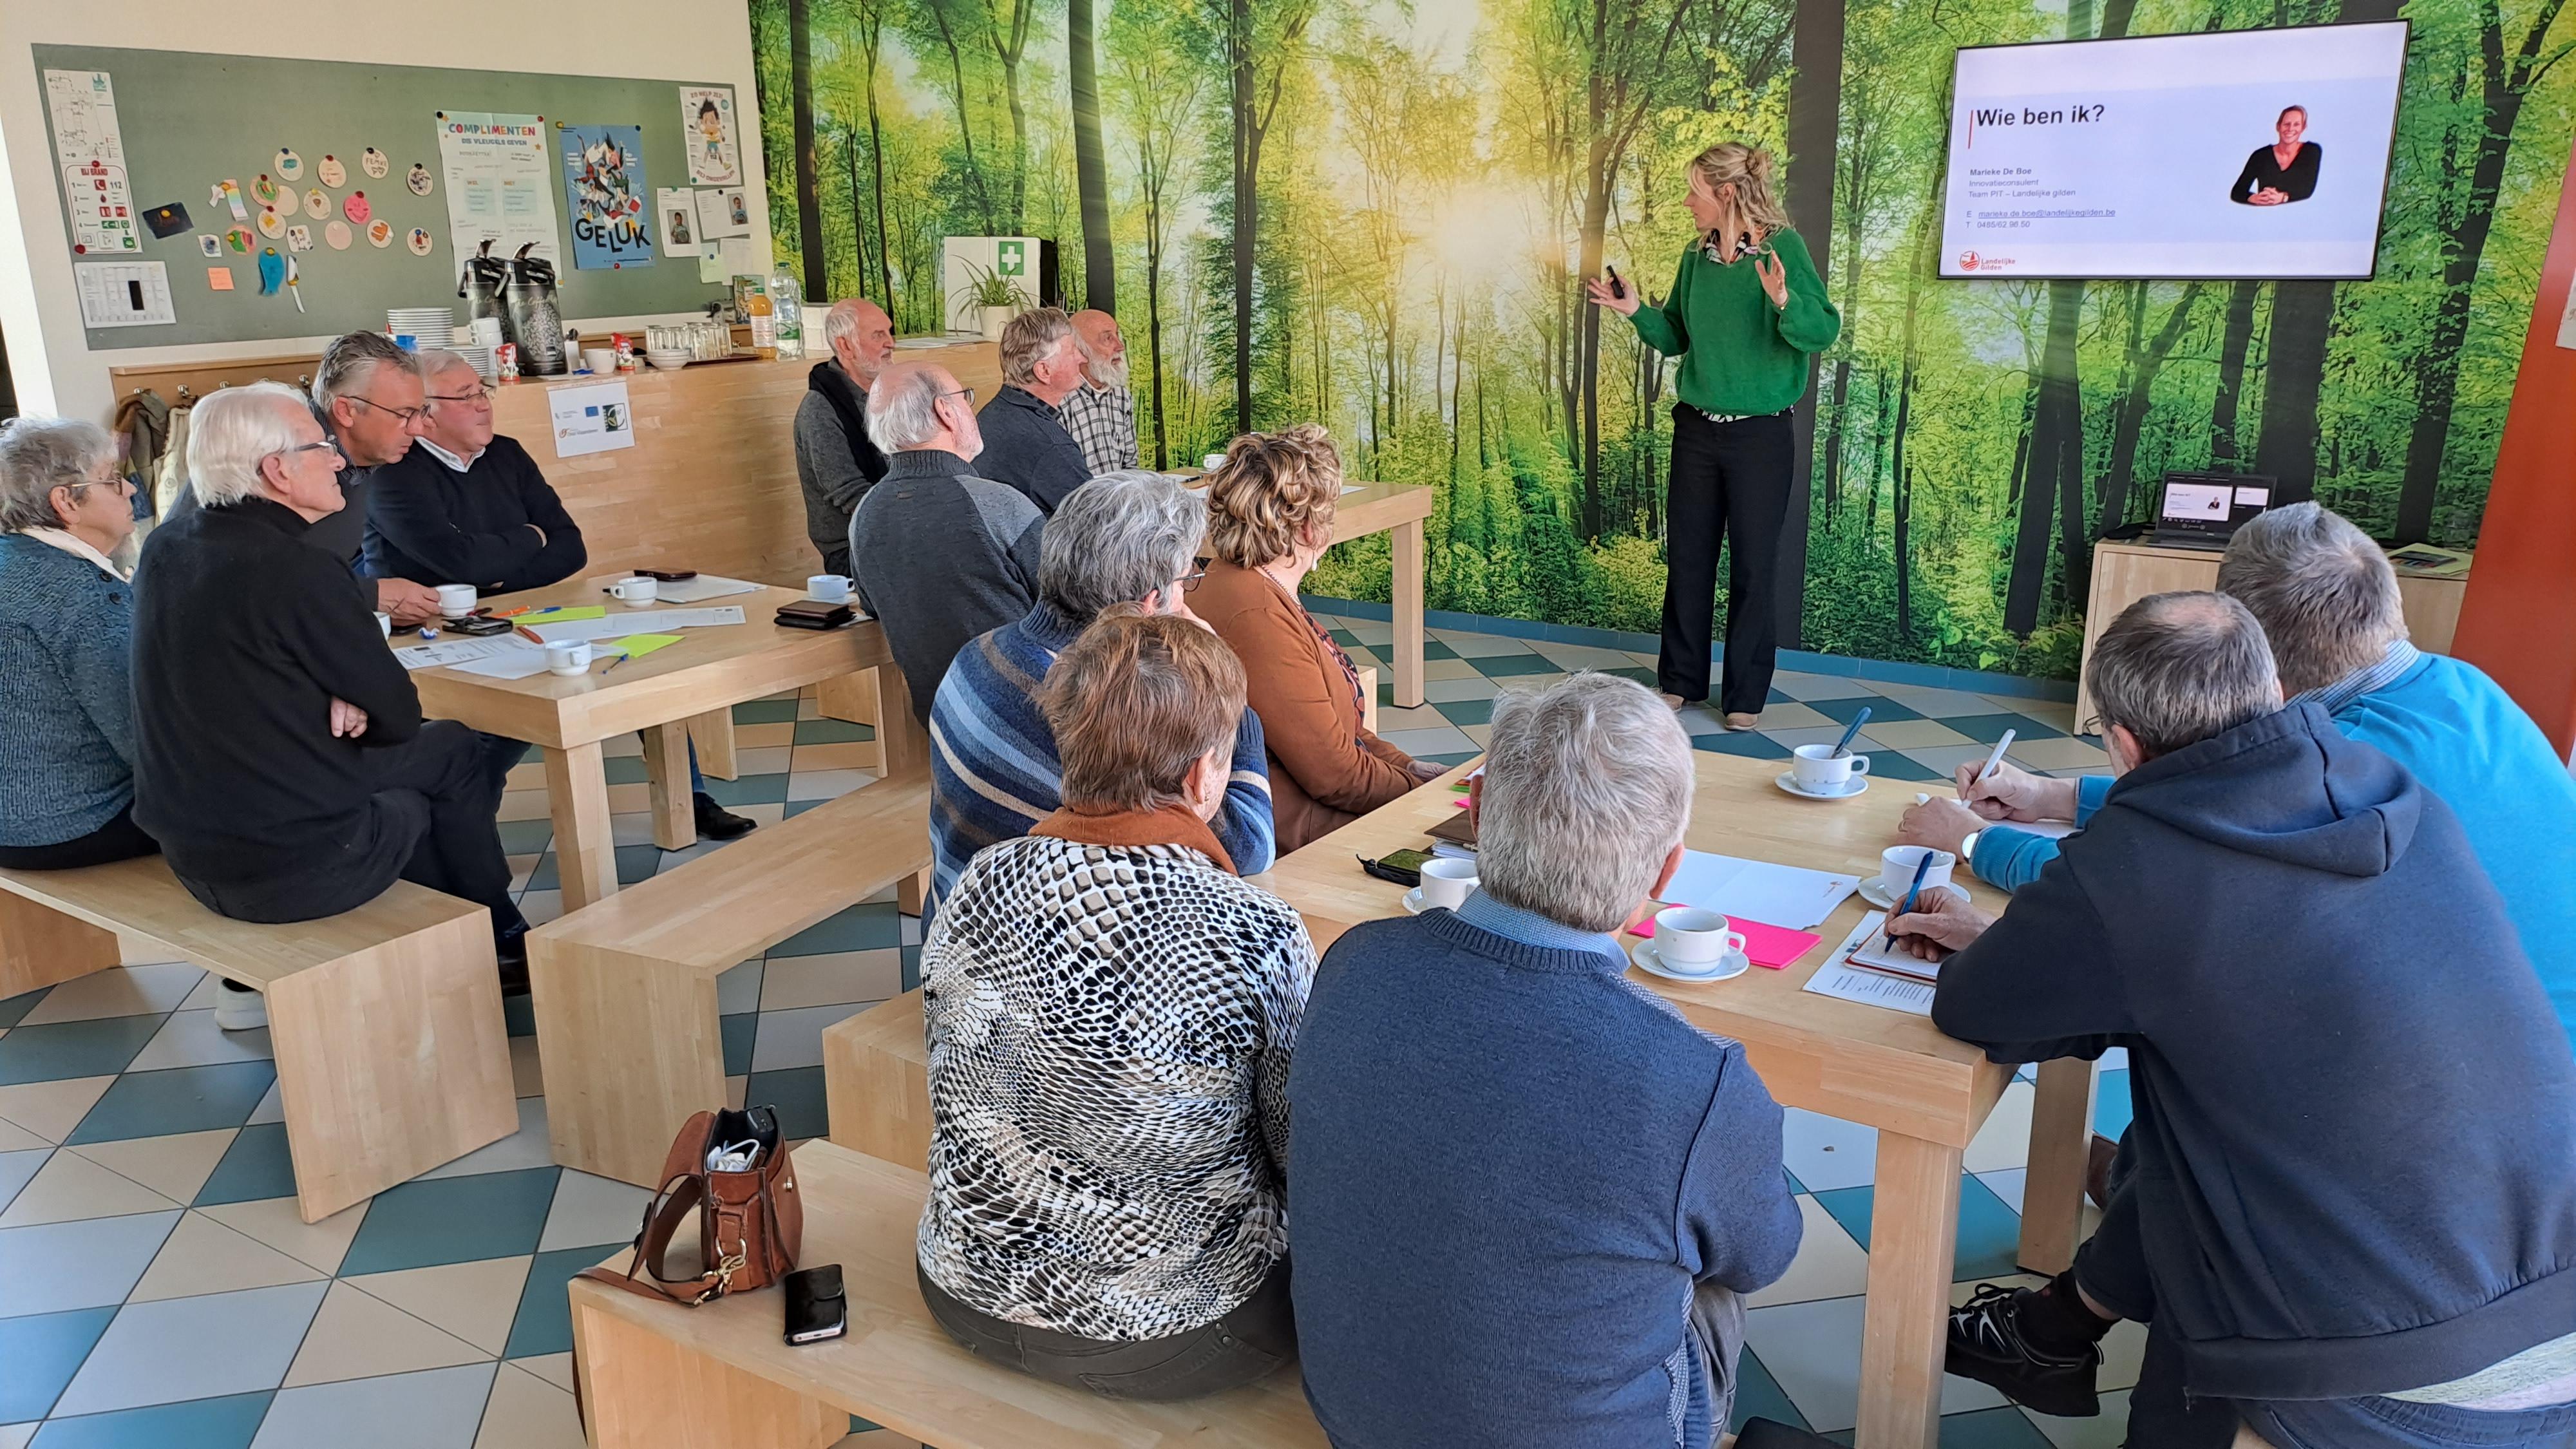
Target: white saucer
(1650, 961)
(1788, 781)
(1872, 891)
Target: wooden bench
(625, 988)
(876, 1082)
(392, 1056)
(719, 1377)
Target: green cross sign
(1013, 259)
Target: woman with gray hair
(66, 633)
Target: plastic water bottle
(787, 315)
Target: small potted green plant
(997, 299)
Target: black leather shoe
(1986, 1344)
(512, 954)
(717, 823)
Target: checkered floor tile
(157, 1287)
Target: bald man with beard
(835, 462)
(1101, 413)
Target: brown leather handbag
(751, 1223)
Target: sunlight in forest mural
(1377, 216)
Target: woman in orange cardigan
(1270, 516)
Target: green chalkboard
(190, 120)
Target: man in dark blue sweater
(2354, 1203)
(1525, 1196)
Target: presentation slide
(2254, 153)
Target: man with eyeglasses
(939, 554)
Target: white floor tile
(794, 982)
(193, 1348)
(527, 1147)
(440, 1409)
(117, 991)
(589, 1210)
(1813, 1350)
(738, 988)
(2005, 1139)
(191, 1039)
(1825, 1153)
(91, 1264)
(795, 1038)
(1829, 1264)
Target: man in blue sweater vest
(2328, 602)
(2352, 1220)
(1122, 538)
(1524, 1195)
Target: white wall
(49, 357)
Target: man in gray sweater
(939, 555)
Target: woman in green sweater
(1746, 312)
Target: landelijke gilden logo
(1968, 261)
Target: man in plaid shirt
(1101, 414)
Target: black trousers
(1245, 1345)
(119, 839)
(431, 821)
(1730, 483)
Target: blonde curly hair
(1273, 493)
(1750, 170)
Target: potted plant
(998, 299)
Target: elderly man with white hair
(939, 554)
(1101, 414)
(1025, 441)
(1525, 1196)
(282, 759)
(836, 465)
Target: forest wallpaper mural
(1376, 216)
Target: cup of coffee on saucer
(568, 657)
(455, 601)
(828, 588)
(1446, 882)
(1896, 874)
(636, 592)
(1697, 944)
(1817, 770)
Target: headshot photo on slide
(2283, 172)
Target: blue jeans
(2377, 1423)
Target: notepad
(1840, 979)
(636, 646)
(1755, 890)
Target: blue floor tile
(1881, 708)
(226, 1423)
(1467, 711)
(750, 789)
(626, 770)
(522, 837)
(797, 1093)
(1985, 729)
(180, 1099)
(637, 863)
(831, 732)
(1759, 1396)
(765, 711)
(2111, 1108)
(912, 968)
(799, 807)
(255, 1166)
(548, 876)
(1434, 649)
(42, 1354)
(16, 1007)
(519, 1015)
(1989, 1230)
(2004, 1428)
(453, 1220)
(738, 1030)
(874, 927)
(544, 1324)
(1751, 745)
(73, 1048)
(1504, 666)
(1889, 765)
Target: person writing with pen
(2279, 923)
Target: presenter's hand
(1940, 824)
(1599, 292)
(1941, 922)
(411, 604)
(1775, 277)
(2269, 196)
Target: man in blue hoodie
(2342, 1237)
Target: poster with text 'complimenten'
(497, 184)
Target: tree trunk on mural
(1926, 245)
(2144, 362)
(2464, 243)
(1090, 161)
(1010, 46)
(1253, 106)
(2233, 344)
(1815, 117)
(809, 186)
(976, 185)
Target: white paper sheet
(677, 209)
(91, 149)
(591, 417)
(124, 294)
(622, 621)
(457, 651)
(1776, 895)
(703, 588)
(1845, 982)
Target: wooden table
(1397, 509)
(1926, 1093)
(697, 680)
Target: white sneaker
(238, 1008)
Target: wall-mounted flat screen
(2249, 153)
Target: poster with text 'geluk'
(497, 185)
(604, 186)
(96, 198)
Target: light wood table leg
(903, 746)
(40, 946)
(912, 894)
(2061, 1138)
(666, 770)
(1913, 1230)
(1406, 540)
(391, 1062)
(848, 697)
(631, 1047)
(641, 1390)
(712, 733)
(577, 793)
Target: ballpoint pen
(1911, 892)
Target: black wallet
(817, 1308)
(814, 614)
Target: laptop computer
(2204, 510)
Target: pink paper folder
(1772, 946)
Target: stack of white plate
(477, 354)
(426, 326)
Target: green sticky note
(570, 614)
(639, 645)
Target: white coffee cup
(385, 623)
(1447, 881)
(1212, 461)
(1822, 772)
(455, 600)
(599, 360)
(828, 588)
(1896, 869)
(636, 592)
(1694, 936)
(568, 656)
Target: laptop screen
(2213, 503)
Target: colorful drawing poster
(91, 150)
(605, 191)
(497, 184)
(707, 123)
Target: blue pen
(1911, 892)
(1851, 731)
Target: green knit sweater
(1739, 353)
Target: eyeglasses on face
(289, 453)
(479, 397)
(401, 415)
(967, 393)
(1197, 574)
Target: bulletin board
(190, 120)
